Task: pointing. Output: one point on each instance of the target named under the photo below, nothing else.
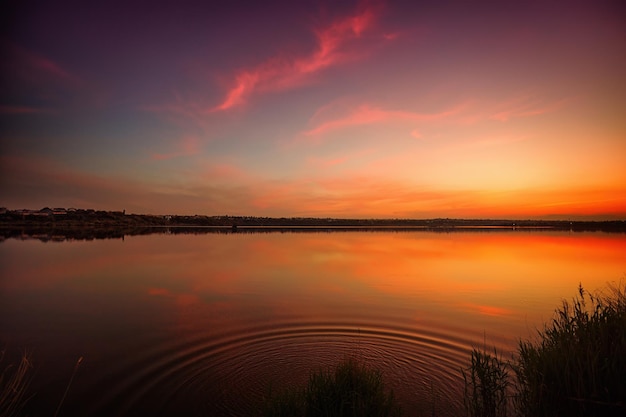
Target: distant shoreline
(64, 218)
(60, 224)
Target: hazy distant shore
(61, 224)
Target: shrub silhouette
(351, 389)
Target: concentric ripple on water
(229, 376)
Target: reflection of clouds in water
(181, 299)
(488, 310)
(203, 305)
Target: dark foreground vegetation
(351, 389)
(576, 367)
(14, 380)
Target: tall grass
(67, 388)
(578, 365)
(14, 382)
(486, 385)
(351, 389)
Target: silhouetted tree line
(111, 222)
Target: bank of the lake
(69, 220)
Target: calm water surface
(205, 324)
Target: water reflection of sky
(106, 299)
(476, 276)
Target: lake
(208, 323)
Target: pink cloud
(52, 68)
(501, 140)
(477, 111)
(365, 114)
(323, 163)
(245, 83)
(186, 146)
(416, 134)
(285, 73)
(49, 83)
(37, 68)
(525, 106)
(391, 36)
(326, 162)
(191, 120)
(227, 171)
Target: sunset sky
(384, 109)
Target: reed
(14, 382)
(350, 389)
(486, 385)
(577, 366)
(67, 388)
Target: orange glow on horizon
(349, 197)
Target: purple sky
(343, 109)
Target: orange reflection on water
(508, 281)
(487, 310)
(204, 304)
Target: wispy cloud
(36, 182)
(52, 68)
(229, 189)
(185, 146)
(342, 159)
(525, 106)
(416, 134)
(480, 143)
(35, 68)
(44, 84)
(226, 172)
(279, 73)
(326, 119)
(323, 163)
(365, 197)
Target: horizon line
(572, 218)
